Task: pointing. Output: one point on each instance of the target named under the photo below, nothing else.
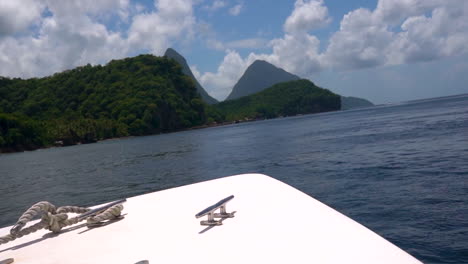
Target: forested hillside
(349, 102)
(283, 99)
(133, 96)
(172, 54)
(259, 76)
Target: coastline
(17, 150)
(246, 120)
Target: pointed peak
(259, 76)
(173, 54)
(265, 65)
(261, 62)
(170, 51)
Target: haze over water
(400, 170)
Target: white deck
(274, 223)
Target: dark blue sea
(401, 170)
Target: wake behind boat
(273, 223)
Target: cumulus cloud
(297, 51)
(393, 12)
(400, 31)
(307, 15)
(359, 41)
(17, 16)
(395, 32)
(235, 10)
(215, 5)
(156, 30)
(41, 37)
(67, 38)
(296, 54)
(220, 83)
(72, 33)
(423, 38)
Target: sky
(382, 50)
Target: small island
(282, 99)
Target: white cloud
(215, 5)
(359, 42)
(195, 71)
(45, 36)
(220, 83)
(443, 34)
(297, 51)
(73, 33)
(395, 32)
(393, 12)
(307, 15)
(79, 8)
(17, 16)
(235, 10)
(296, 54)
(68, 38)
(157, 30)
(139, 8)
(399, 32)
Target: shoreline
(13, 150)
(18, 150)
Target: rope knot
(108, 214)
(55, 221)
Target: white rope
(55, 219)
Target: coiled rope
(54, 219)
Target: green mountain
(171, 53)
(134, 96)
(354, 102)
(144, 95)
(282, 99)
(259, 76)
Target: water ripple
(400, 170)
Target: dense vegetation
(283, 99)
(354, 102)
(134, 96)
(172, 54)
(130, 97)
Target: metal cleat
(210, 211)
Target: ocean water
(401, 170)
